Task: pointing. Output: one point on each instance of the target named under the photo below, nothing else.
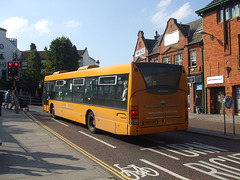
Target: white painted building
(85, 59)
(8, 50)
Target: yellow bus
(127, 99)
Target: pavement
(29, 151)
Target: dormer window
(230, 12)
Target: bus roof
(96, 71)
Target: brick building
(179, 44)
(221, 53)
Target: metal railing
(31, 100)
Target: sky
(107, 28)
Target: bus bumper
(136, 130)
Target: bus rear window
(160, 78)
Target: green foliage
(62, 55)
(32, 76)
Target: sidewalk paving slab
(29, 151)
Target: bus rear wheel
(91, 123)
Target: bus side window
(59, 89)
(78, 89)
(52, 90)
(106, 90)
(67, 94)
(78, 92)
(122, 91)
(90, 91)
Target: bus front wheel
(53, 113)
(91, 123)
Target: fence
(31, 100)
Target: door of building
(219, 94)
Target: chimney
(156, 35)
(33, 46)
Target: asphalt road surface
(171, 155)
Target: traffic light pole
(13, 74)
(15, 98)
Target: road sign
(228, 102)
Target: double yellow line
(95, 159)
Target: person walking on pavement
(197, 104)
(7, 98)
(12, 101)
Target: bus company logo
(67, 106)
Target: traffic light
(13, 71)
(9, 71)
(16, 71)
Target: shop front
(237, 100)
(195, 87)
(216, 94)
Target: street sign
(228, 102)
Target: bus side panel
(71, 111)
(104, 119)
(121, 122)
(78, 113)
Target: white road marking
(59, 122)
(98, 140)
(164, 169)
(153, 150)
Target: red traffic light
(16, 64)
(10, 63)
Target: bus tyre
(91, 123)
(53, 113)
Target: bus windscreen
(160, 78)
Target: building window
(178, 59)
(230, 12)
(193, 59)
(166, 60)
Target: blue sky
(108, 28)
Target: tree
(62, 55)
(32, 76)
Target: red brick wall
(217, 58)
(140, 45)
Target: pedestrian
(197, 104)
(12, 101)
(7, 98)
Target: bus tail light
(186, 112)
(134, 115)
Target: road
(171, 155)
